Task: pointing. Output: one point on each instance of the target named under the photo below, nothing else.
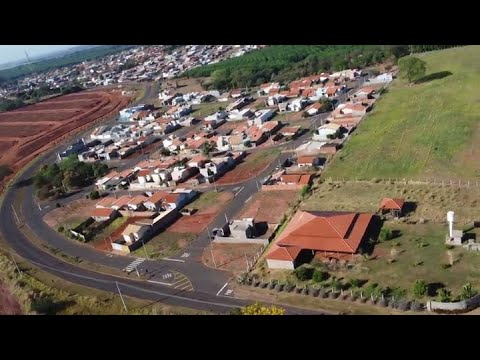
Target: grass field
(165, 244)
(206, 109)
(429, 129)
(432, 201)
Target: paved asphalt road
(207, 283)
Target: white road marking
(173, 260)
(185, 255)
(239, 191)
(159, 282)
(228, 292)
(248, 199)
(167, 276)
(223, 287)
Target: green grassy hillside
(427, 130)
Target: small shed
(392, 206)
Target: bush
(385, 234)
(355, 283)
(420, 288)
(60, 229)
(319, 276)
(94, 195)
(303, 273)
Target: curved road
(19, 212)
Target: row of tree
(423, 48)
(58, 178)
(289, 62)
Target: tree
(305, 190)
(354, 283)
(444, 295)
(94, 195)
(259, 309)
(319, 276)
(412, 68)
(468, 292)
(335, 283)
(207, 148)
(420, 288)
(303, 273)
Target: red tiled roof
(392, 204)
(308, 92)
(137, 200)
(290, 130)
(269, 126)
(158, 196)
(291, 178)
(144, 172)
(106, 201)
(171, 198)
(122, 201)
(198, 158)
(305, 179)
(316, 106)
(325, 231)
(287, 253)
(272, 92)
(306, 159)
(101, 212)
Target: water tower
(454, 237)
(450, 216)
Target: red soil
(59, 117)
(8, 304)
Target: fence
(282, 187)
(464, 305)
(434, 182)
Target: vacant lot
(429, 129)
(70, 214)
(208, 206)
(431, 201)
(9, 305)
(36, 127)
(165, 244)
(269, 206)
(251, 166)
(230, 257)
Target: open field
(165, 244)
(251, 166)
(9, 305)
(430, 129)
(34, 128)
(269, 206)
(230, 257)
(431, 201)
(208, 204)
(206, 109)
(71, 213)
(187, 85)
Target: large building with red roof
(314, 231)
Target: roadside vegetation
(57, 179)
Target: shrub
(420, 288)
(385, 234)
(94, 195)
(60, 229)
(319, 276)
(445, 266)
(355, 283)
(444, 295)
(303, 273)
(468, 292)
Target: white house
(219, 115)
(263, 115)
(134, 232)
(223, 143)
(323, 131)
(240, 114)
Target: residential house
(262, 116)
(271, 127)
(291, 131)
(347, 122)
(329, 148)
(332, 234)
(182, 173)
(121, 202)
(394, 206)
(307, 161)
(136, 203)
(156, 201)
(103, 214)
(366, 92)
(223, 143)
(265, 88)
(197, 161)
(105, 202)
(314, 109)
(240, 114)
(327, 131)
(135, 232)
(179, 198)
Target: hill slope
(426, 130)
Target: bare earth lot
(8, 303)
(269, 206)
(32, 129)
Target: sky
(16, 52)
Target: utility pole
(226, 219)
(16, 265)
(258, 188)
(39, 207)
(145, 249)
(213, 256)
(121, 297)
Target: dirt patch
(269, 206)
(76, 209)
(230, 257)
(251, 166)
(37, 127)
(185, 85)
(8, 303)
(197, 222)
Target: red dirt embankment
(8, 303)
(31, 130)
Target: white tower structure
(450, 216)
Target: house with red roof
(394, 206)
(309, 232)
(103, 214)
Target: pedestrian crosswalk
(130, 267)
